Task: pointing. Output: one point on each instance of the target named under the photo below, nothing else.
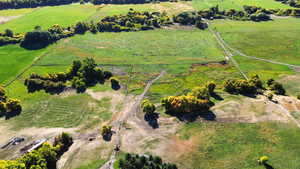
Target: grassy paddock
(237, 4)
(14, 59)
(145, 47)
(65, 15)
(275, 40)
(237, 145)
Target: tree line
(132, 21)
(136, 161)
(44, 157)
(137, 21)
(80, 76)
(8, 107)
(292, 3)
(17, 4)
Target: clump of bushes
(276, 87)
(292, 3)
(242, 86)
(136, 161)
(81, 75)
(8, 37)
(190, 18)
(62, 142)
(8, 107)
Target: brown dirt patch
(7, 18)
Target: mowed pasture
(237, 4)
(156, 47)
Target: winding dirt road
(130, 112)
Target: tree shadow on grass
(107, 137)
(11, 114)
(268, 166)
(216, 96)
(193, 116)
(152, 119)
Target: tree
(211, 87)
(36, 39)
(8, 33)
(148, 107)
(2, 94)
(81, 27)
(270, 96)
(106, 130)
(277, 88)
(201, 93)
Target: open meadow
(171, 60)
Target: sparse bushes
(134, 161)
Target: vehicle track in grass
(130, 111)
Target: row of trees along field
(132, 21)
(44, 157)
(15, 4)
(137, 21)
(81, 75)
(8, 107)
(293, 3)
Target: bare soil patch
(7, 18)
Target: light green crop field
(14, 59)
(275, 40)
(159, 47)
(238, 145)
(65, 15)
(237, 4)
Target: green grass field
(65, 15)
(275, 40)
(237, 145)
(15, 12)
(14, 59)
(237, 4)
(164, 47)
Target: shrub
(106, 130)
(184, 104)
(263, 160)
(148, 107)
(36, 39)
(81, 27)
